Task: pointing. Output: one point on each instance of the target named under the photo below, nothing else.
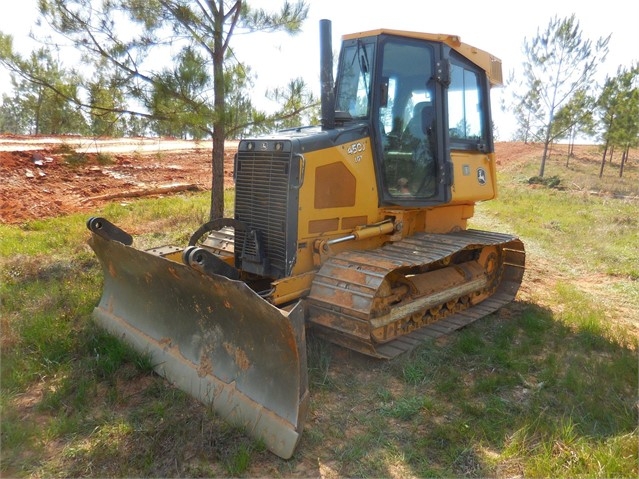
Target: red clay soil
(48, 177)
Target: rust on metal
(241, 359)
(205, 367)
(173, 273)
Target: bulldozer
(355, 229)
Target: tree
(618, 106)
(105, 100)
(295, 98)
(131, 34)
(189, 78)
(52, 112)
(528, 113)
(42, 89)
(575, 117)
(559, 65)
(13, 117)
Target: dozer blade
(212, 337)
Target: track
(349, 305)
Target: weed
(319, 361)
(76, 159)
(548, 182)
(405, 408)
(238, 460)
(469, 342)
(420, 366)
(109, 354)
(104, 158)
(64, 149)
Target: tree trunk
(542, 167)
(37, 114)
(603, 160)
(546, 154)
(219, 130)
(624, 157)
(217, 181)
(571, 145)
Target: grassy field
(546, 387)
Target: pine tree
(560, 64)
(618, 106)
(43, 92)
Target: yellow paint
(467, 169)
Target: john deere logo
(481, 176)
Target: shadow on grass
(520, 395)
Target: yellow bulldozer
(355, 229)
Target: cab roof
(490, 63)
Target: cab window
(464, 109)
(354, 92)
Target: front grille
(262, 204)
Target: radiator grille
(261, 203)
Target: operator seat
(420, 124)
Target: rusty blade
(212, 337)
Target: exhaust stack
(326, 75)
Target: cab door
(413, 165)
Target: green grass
(593, 233)
(545, 388)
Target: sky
(498, 26)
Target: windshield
(353, 95)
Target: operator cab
(421, 99)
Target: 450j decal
(356, 149)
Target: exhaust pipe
(326, 75)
